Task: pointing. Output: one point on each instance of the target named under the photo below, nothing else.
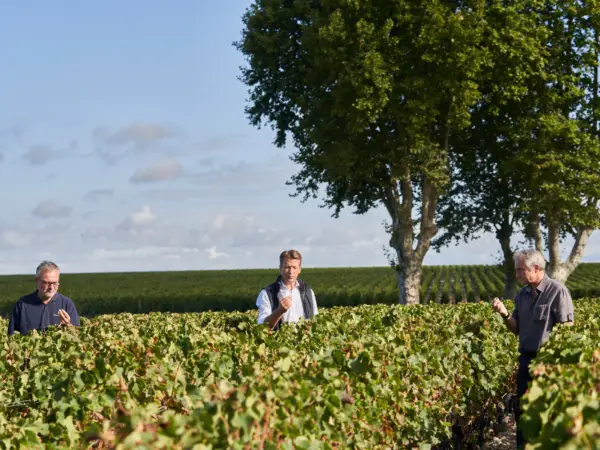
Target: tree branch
(581, 238)
(553, 247)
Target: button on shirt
(294, 314)
(537, 312)
(29, 313)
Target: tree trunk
(596, 82)
(558, 269)
(409, 282)
(410, 260)
(534, 232)
(510, 276)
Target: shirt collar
(295, 286)
(541, 286)
(52, 300)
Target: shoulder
(552, 282)
(522, 292)
(27, 298)
(265, 292)
(63, 299)
(268, 288)
(304, 285)
(556, 286)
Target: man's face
(47, 284)
(290, 269)
(526, 275)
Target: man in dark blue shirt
(44, 307)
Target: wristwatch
(505, 317)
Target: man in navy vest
(44, 307)
(288, 299)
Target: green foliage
(366, 377)
(562, 408)
(532, 158)
(367, 90)
(372, 94)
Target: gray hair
(531, 257)
(46, 266)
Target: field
(373, 376)
(237, 289)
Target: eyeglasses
(49, 283)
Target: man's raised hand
(499, 306)
(65, 319)
(286, 303)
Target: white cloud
(167, 169)
(97, 231)
(218, 222)
(220, 241)
(111, 146)
(51, 209)
(14, 131)
(97, 194)
(375, 242)
(243, 230)
(172, 195)
(143, 217)
(218, 142)
(214, 254)
(266, 179)
(140, 134)
(139, 219)
(15, 239)
(38, 155)
(133, 253)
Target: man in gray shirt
(540, 305)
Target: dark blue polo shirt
(29, 313)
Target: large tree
(486, 194)
(535, 165)
(371, 93)
(563, 160)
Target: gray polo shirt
(536, 317)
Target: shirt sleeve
(15, 319)
(264, 306)
(563, 306)
(515, 313)
(73, 314)
(314, 300)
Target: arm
(275, 316)
(512, 324)
(14, 323)
(265, 312)
(314, 300)
(563, 309)
(510, 321)
(73, 314)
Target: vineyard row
(197, 291)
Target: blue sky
(124, 146)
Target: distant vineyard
(230, 290)
(452, 284)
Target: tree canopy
(373, 93)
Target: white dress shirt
(294, 314)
